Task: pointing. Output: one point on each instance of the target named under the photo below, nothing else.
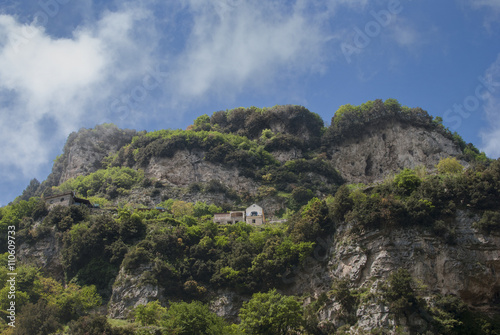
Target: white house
(254, 215)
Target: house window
(62, 199)
(254, 214)
(253, 221)
(229, 222)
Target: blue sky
(151, 64)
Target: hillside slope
(416, 249)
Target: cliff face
(86, 149)
(187, 167)
(44, 254)
(466, 265)
(381, 150)
(131, 290)
(84, 152)
(385, 148)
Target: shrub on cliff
(271, 314)
(449, 165)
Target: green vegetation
(43, 304)
(271, 314)
(429, 201)
(22, 215)
(407, 181)
(111, 182)
(449, 165)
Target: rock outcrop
(44, 254)
(84, 152)
(187, 167)
(131, 290)
(385, 148)
(466, 265)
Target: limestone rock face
(468, 266)
(45, 254)
(287, 155)
(187, 167)
(388, 147)
(131, 290)
(227, 304)
(84, 151)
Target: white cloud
(492, 4)
(49, 85)
(404, 34)
(246, 43)
(491, 136)
(491, 9)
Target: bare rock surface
(387, 148)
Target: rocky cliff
(84, 153)
(384, 148)
(468, 266)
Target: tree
(342, 203)
(271, 314)
(202, 122)
(399, 292)
(300, 196)
(192, 318)
(392, 105)
(407, 181)
(181, 208)
(37, 319)
(449, 165)
(150, 313)
(93, 324)
(30, 190)
(75, 301)
(132, 227)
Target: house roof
(58, 195)
(254, 206)
(82, 201)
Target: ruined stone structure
(65, 199)
(230, 218)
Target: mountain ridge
(283, 132)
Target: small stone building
(66, 199)
(253, 215)
(230, 218)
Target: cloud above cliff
(245, 44)
(491, 135)
(49, 85)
